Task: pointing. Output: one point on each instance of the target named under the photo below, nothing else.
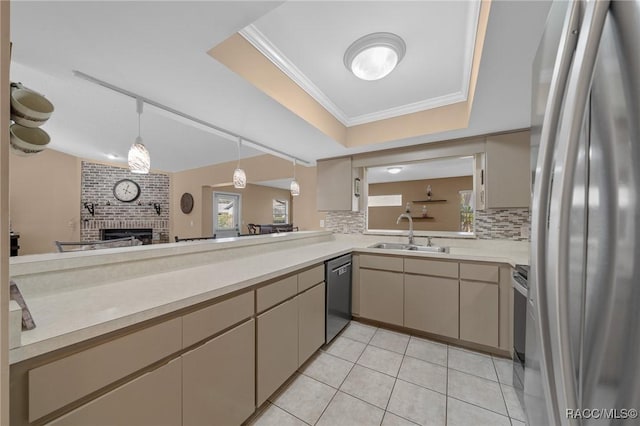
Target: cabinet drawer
(385, 263)
(206, 322)
(435, 268)
(275, 293)
(310, 277)
(479, 272)
(61, 382)
(152, 399)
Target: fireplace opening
(143, 234)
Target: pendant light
(239, 176)
(295, 186)
(139, 159)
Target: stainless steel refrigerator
(583, 320)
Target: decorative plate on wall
(186, 203)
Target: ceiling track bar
(231, 135)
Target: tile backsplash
(492, 224)
(503, 224)
(345, 222)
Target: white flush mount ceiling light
(394, 170)
(239, 176)
(374, 56)
(139, 158)
(295, 186)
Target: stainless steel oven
(520, 302)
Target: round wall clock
(186, 203)
(126, 190)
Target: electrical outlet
(525, 231)
(321, 223)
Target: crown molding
(473, 17)
(254, 36)
(260, 41)
(430, 103)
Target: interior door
(226, 214)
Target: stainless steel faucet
(428, 241)
(408, 217)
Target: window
(280, 211)
(384, 200)
(466, 210)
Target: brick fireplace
(110, 214)
(143, 234)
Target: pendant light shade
(139, 158)
(295, 186)
(239, 176)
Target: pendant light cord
(139, 106)
(294, 169)
(239, 147)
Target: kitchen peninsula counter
(75, 297)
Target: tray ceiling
(307, 41)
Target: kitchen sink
(391, 246)
(410, 247)
(429, 249)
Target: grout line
(269, 403)
(446, 388)
(287, 388)
(474, 375)
(375, 371)
(478, 406)
(504, 400)
(428, 362)
(396, 377)
(327, 406)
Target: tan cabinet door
(153, 399)
(507, 170)
(333, 189)
(277, 350)
(311, 316)
(381, 296)
(218, 379)
(431, 304)
(479, 312)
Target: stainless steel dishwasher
(338, 276)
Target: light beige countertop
(67, 312)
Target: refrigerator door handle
(578, 90)
(541, 192)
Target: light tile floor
(372, 376)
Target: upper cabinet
(504, 179)
(334, 184)
(500, 169)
